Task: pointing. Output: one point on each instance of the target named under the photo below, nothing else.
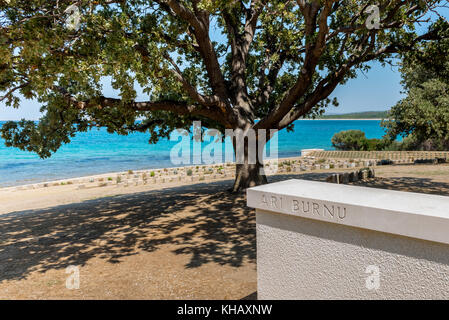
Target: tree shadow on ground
(203, 221)
(410, 184)
(404, 183)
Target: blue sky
(378, 89)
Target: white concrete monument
(318, 240)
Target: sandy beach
(176, 241)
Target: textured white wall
(301, 258)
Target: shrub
(152, 174)
(189, 172)
(355, 140)
(349, 140)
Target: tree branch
(208, 101)
(327, 85)
(177, 107)
(205, 46)
(314, 50)
(11, 91)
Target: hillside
(357, 115)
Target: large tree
(226, 63)
(423, 115)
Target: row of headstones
(139, 180)
(143, 177)
(189, 174)
(229, 172)
(354, 176)
(202, 174)
(196, 173)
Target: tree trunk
(248, 173)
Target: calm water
(97, 151)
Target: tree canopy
(226, 63)
(423, 114)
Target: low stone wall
(317, 240)
(395, 156)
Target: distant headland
(369, 115)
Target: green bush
(349, 140)
(355, 140)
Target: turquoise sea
(97, 151)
